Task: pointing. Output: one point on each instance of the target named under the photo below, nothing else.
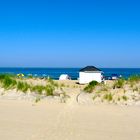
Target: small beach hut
(90, 73)
(64, 77)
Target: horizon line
(76, 67)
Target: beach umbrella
(20, 75)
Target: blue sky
(69, 33)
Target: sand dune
(23, 120)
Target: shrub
(89, 88)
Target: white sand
(21, 120)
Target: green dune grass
(12, 82)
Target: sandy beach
(69, 70)
(70, 113)
(24, 120)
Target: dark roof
(90, 68)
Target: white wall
(86, 77)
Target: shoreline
(72, 72)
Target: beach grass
(119, 83)
(108, 97)
(118, 91)
(23, 86)
(49, 90)
(37, 89)
(125, 98)
(11, 82)
(89, 88)
(121, 90)
(134, 78)
(8, 81)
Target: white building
(90, 73)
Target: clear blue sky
(69, 33)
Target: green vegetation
(119, 83)
(11, 82)
(95, 96)
(62, 85)
(124, 98)
(49, 90)
(2, 77)
(7, 81)
(30, 76)
(135, 89)
(89, 88)
(134, 79)
(119, 99)
(37, 89)
(108, 97)
(104, 88)
(103, 91)
(23, 86)
(126, 89)
(52, 82)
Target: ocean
(72, 72)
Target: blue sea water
(72, 72)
